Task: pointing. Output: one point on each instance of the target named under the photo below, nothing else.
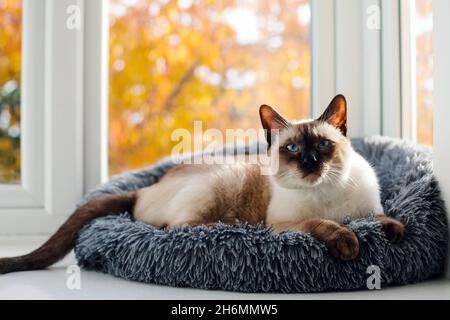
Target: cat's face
(309, 152)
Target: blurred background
(175, 61)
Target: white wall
(441, 11)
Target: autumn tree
(173, 62)
(10, 56)
(424, 72)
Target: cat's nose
(309, 159)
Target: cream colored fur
(351, 190)
(348, 188)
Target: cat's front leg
(394, 229)
(340, 241)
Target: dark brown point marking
(311, 158)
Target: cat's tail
(62, 242)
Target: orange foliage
(173, 62)
(10, 55)
(10, 39)
(424, 74)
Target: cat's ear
(271, 120)
(336, 114)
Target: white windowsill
(51, 284)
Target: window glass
(174, 62)
(423, 27)
(10, 55)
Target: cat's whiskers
(335, 176)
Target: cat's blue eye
(324, 144)
(292, 147)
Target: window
(41, 57)
(423, 32)
(10, 68)
(173, 62)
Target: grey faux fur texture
(252, 259)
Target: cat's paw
(343, 244)
(394, 229)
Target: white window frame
(408, 70)
(373, 68)
(96, 85)
(52, 131)
(323, 85)
(65, 87)
(367, 66)
(64, 110)
(441, 93)
(30, 193)
(361, 63)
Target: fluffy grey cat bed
(252, 259)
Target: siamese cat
(320, 180)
